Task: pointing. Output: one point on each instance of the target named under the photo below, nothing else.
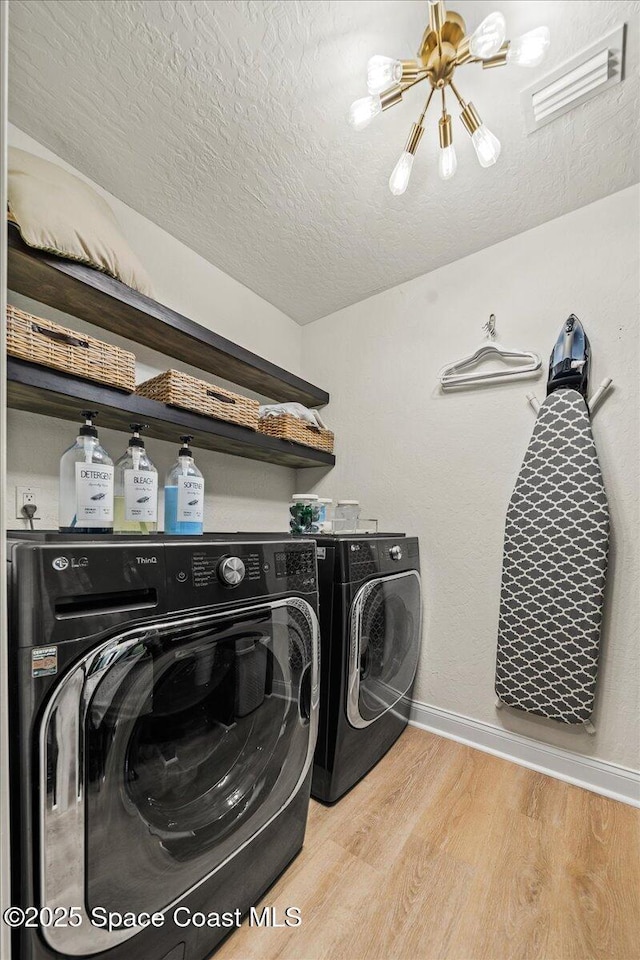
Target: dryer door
(384, 644)
(165, 751)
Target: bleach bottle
(136, 488)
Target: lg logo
(63, 563)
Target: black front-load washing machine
(164, 699)
(370, 625)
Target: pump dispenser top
(88, 429)
(136, 440)
(185, 450)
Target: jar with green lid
(304, 513)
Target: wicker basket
(49, 344)
(287, 427)
(181, 390)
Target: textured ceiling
(225, 123)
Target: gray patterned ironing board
(554, 568)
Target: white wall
(443, 466)
(241, 494)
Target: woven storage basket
(181, 390)
(287, 427)
(49, 344)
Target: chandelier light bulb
(447, 162)
(362, 111)
(399, 179)
(530, 49)
(487, 39)
(382, 73)
(487, 146)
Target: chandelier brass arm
(444, 47)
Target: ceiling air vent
(584, 76)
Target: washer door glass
(384, 645)
(195, 736)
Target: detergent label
(190, 500)
(140, 496)
(94, 495)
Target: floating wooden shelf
(40, 390)
(93, 296)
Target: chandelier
(444, 47)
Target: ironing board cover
(554, 567)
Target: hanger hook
(490, 327)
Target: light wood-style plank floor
(447, 853)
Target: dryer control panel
(354, 559)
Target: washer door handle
(64, 783)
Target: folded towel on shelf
(296, 410)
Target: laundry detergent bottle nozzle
(86, 483)
(136, 487)
(88, 429)
(184, 494)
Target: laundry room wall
(240, 494)
(443, 466)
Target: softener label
(94, 495)
(190, 500)
(140, 496)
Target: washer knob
(231, 571)
(395, 553)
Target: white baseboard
(610, 780)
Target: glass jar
(304, 513)
(347, 516)
(324, 523)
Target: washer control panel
(211, 566)
(231, 571)
(217, 571)
(289, 564)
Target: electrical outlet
(26, 495)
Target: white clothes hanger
(450, 376)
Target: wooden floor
(447, 853)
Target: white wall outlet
(25, 495)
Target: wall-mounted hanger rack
(451, 375)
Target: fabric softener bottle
(184, 494)
(136, 488)
(86, 483)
